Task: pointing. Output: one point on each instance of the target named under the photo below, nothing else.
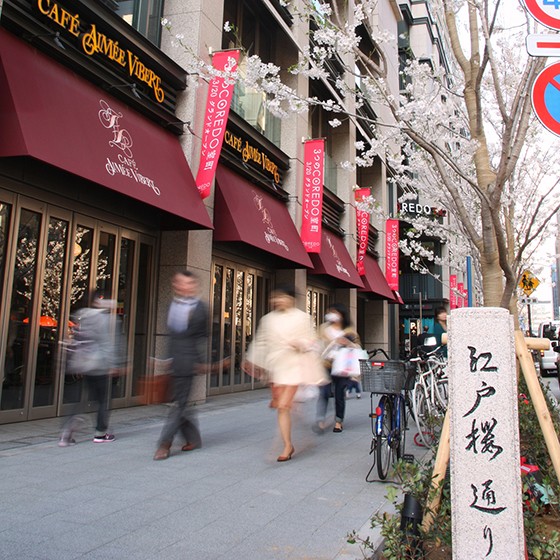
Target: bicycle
(429, 396)
(389, 419)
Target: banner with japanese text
(452, 291)
(362, 229)
(392, 254)
(312, 197)
(460, 289)
(218, 104)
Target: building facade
(101, 131)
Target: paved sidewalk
(229, 500)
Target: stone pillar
(487, 517)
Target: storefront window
(143, 15)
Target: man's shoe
(162, 453)
(106, 438)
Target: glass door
(240, 296)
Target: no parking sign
(545, 96)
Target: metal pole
(469, 282)
(529, 318)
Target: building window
(143, 15)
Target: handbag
(155, 387)
(346, 362)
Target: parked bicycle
(388, 418)
(429, 396)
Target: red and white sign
(543, 45)
(545, 96)
(312, 212)
(362, 227)
(460, 289)
(452, 291)
(218, 104)
(546, 12)
(392, 254)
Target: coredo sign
(313, 173)
(453, 291)
(362, 227)
(215, 119)
(392, 254)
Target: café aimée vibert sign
(93, 42)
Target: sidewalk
(229, 500)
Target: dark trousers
(340, 386)
(181, 418)
(97, 387)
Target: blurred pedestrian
(187, 322)
(440, 327)
(286, 350)
(336, 332)
(93, 354)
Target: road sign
(528, 282)
(543, 45)
(546, 12)
(545, 96)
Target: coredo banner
(312, 212)
(362, 227)
(452, 291)
(460, 289)
(392, 254)
(215, 119)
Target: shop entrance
(240, 299)
(50, 260)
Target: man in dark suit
(187, 322)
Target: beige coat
(287, 347)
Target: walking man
(187, 322)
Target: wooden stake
(538, 400)
(440, 466)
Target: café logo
(122, 140)
(339, 266)
(270, 234)
(252, 154)
(95, 42)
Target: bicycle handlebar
(375, 351)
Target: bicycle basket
(386, 378)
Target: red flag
(218, 103)
(362, 227)
(452, 291)
(312, 212)
(460, 300)
(392, 254)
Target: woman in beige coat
(285, 349)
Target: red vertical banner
(392, 254)
(362, 228)
(312, 202)
(460, 297)
(452, 291)
(218, 104)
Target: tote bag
(346, 362)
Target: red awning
(51, 114)
(375, 282)
(248, 214)
(398, 298)
(335, 261)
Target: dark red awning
(375, 282)
(398, 298)
(51, 114)
(248, 214)
(335, 261)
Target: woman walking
(285, 350)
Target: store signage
(460, 299)
(120, 139)
(338, 263)
(362, 227)
(94, 42)
(251, 154)
(392, 254)
(422, 209)
(218, 104)
(270, 234)
(313, 174)
(452, 291)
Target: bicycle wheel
(422, 415)
(384, 450)
(399, 425)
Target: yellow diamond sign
(528, 282)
